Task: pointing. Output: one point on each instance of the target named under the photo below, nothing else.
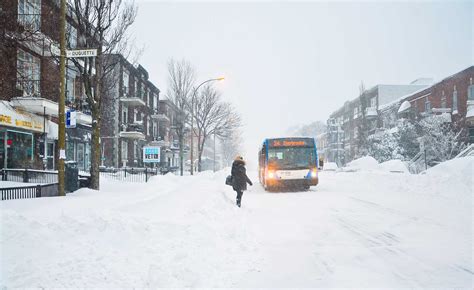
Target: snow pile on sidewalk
(457, 172)
(393, 166)
(363, 163)
(368, 163)
(330, 166)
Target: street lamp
(192, 118)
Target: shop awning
(19, 119)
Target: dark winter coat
(239, 176)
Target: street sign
(81, 53)
(71, 117)
(151, 154)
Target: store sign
(22, 121)
(151, 154)
(71, 119)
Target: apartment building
(130, 114)
(349, 126)
(29, 88)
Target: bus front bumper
(292, 183)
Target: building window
(125, 81)
(124, 114)
(135, 88)
(29, 14)
(356, 112)
(28, 73)
(71, 35)
(373, 102)
(443, 101)
(455, 102)
(70, 87)
(427, 105)
(470, 93)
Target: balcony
(36, 105)
(132, 131)
(371, 112)
(132, 100)
(83, 118)
(160, 117)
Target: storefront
(78, 146)
(20, 136)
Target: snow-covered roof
(405, 106)
(385, 106)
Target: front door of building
(80, 156)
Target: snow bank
(456, 172)
(393, 166)
(363, 163)
(330, 166)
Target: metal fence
(29, 176)
(129, 174)
(35, 191)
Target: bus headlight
(270, 174)
(314, 173)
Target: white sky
(288, 63)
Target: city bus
(288, 163)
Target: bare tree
(231, 146)
(101, 24)
(213, 117)
(181, 77)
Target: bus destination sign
(291, 143)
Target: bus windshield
(291, 158)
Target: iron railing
(130, 174)
(29, 176)
(35, 191)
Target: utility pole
(62, 92)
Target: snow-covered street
(355, 229)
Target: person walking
(239, 178)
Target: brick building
(29, 87)
(130, 115)
(349, 126)
(453, 97)
(380, 107)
